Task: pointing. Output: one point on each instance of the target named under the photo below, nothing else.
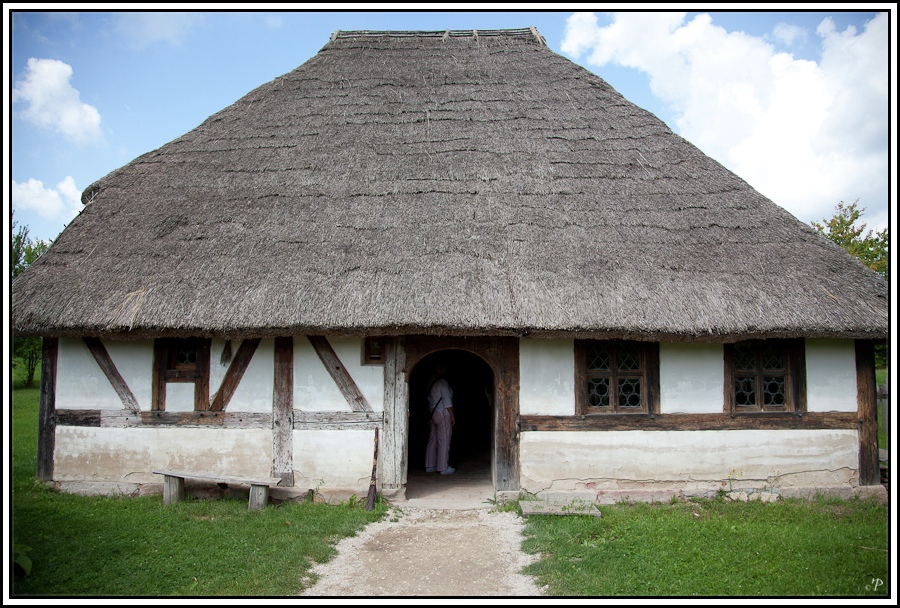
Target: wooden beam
(196, 419)
(336, 420)
(340, 374)
(233, 375)
(690, 422)
(867, 409)
(83, 417)
(158, 387)
(201, 380)
(505, 353)
(651, 375)
(396, 415)
(101, 356)
(282, 411)
(46, 440)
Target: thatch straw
(446, 184)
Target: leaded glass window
(760, 376)
(615, 375)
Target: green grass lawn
(715, 548)
(135, 546)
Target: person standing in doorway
(440, 403)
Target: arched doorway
(472, 381)
(402, 357)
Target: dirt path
(430, 552)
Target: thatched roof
(449, 183)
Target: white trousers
(438, 451)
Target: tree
(23, 252)
(872, 249)
(27, 353)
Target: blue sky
(796, 103)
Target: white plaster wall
(179, 396)
(547, 377)
(315, 389)
(369, 378)
(216, 368)
(81, 384)
(254, 392)
(831, 376)
(691, 378)
(627, 459)
(132, 454)
(333, 458)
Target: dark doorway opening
(472, 381)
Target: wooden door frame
(501, 354)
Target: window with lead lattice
(617, 377)
(765, 376)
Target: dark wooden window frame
(794, 356)
(373, 350)
(649, 354)
(166, 369)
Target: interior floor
(472, 481)
(470, 448)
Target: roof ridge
(522, 32)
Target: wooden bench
(173, 486)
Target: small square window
(373, 350)
(181, 360)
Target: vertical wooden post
(201, 383)
(396, 415)
(173, 489)
(47, 414)
(867, 408)
(158, 387)
(282, 414)
(259, 497)
(506, 414)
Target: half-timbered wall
(81, 384)
(691, 377)
(254, 391)
(691, 444)
(316, 391)
(313, 422)
(100, 440)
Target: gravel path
(426, 552)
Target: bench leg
(173, 489)
(259, 497)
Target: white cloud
(805, 134)
(53, 103)
(142, 29)
(60, 204)
(788, 34)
